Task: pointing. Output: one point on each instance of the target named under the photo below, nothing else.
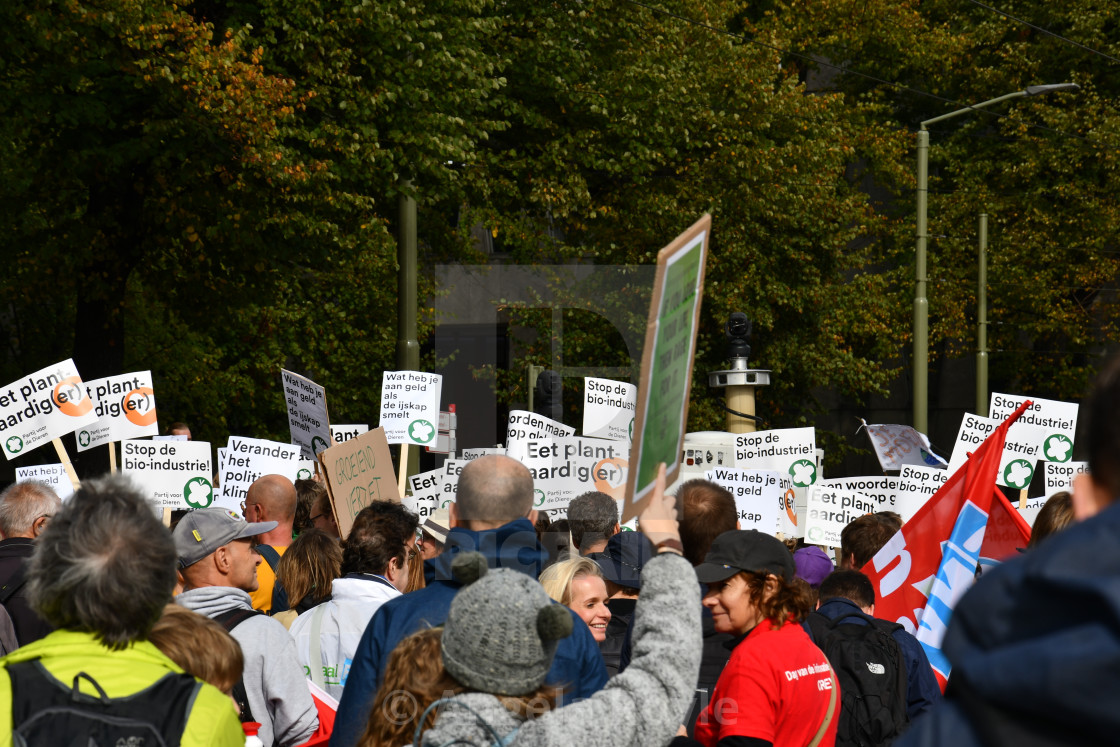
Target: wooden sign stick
(112, 457)
(65, 459)
(402, 470)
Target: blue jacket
(577, 664)
(922, 690)
(1035, 648)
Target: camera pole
(739, 381)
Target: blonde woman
(578, 584)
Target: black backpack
(230, 619)
(868, 662)
(45, 711)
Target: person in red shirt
(777, 688)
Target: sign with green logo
(410, 406)
(172, 474)
(306, 403)
(666, 376)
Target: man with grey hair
(492, 514)
(102, 572)
(593, 519)
(25, 509)
(218, 563)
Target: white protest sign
(1058, 421)
(896, 445)
(468, 455)
(759, 496)
(426, 492)
(883, 489)
(125, 406)
(248, 459)
(1059, 476)
(790, 451)
(43, 406)
(171, 474)
(53, 475)
(525, 426)
(307, 413)
(563, 468)
(410, 407)
(1021, 450)
(176, 437)
(918, 484)
(221, 452)
(343, 433)
(828, 511)
(608, 409)
(305, 470)
(452, 468)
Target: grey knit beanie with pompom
(502, 629)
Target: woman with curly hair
(777, 688)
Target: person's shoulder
(212, 721)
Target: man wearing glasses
(25, 509)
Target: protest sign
(916, 486)
(171, 474)
(608, 409)
(426, 492)
(1056, 419)
(1059, 476)
(1021, 450)
(661, 411)
(343, 433)
(176, 437)
(563, 468)
(359, 472)
(307, 413)
(247, 459)
(897, 445)
(468, 455)
(410, 406)
(790, 451)
(828, 510)
(43, 406)
(125, 406)
(524, 426)
(759, 496)
(305, 470)
(882, 489)
(53, 475)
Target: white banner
(125, 406)
(524, 426)
(410, 407)
(171, 474)
(828, 511)
(608, 409)
(759, 496)
(43, 406)
(896, 445)
(248, 459)
(53, 475)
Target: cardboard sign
(917, 485)
(43, 406)
(564, 468)
(1058, 421)
(1021, 450)
(410, 407)
(1059, 475)
(666, 375)
(125, 406)
(359, 472)
(828, 511)
(340, 434)
(759, 496)
(524, 426)
(247, 459)
(172, 474)
(608, 409)
(53, 475)
(307, 413)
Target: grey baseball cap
(204, 530)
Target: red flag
(903, 571)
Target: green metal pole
(982, 321)
(921, 304)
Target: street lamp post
(921, 304)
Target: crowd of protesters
(485, 623)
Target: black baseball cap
(745, 550)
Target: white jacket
(343, 620)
